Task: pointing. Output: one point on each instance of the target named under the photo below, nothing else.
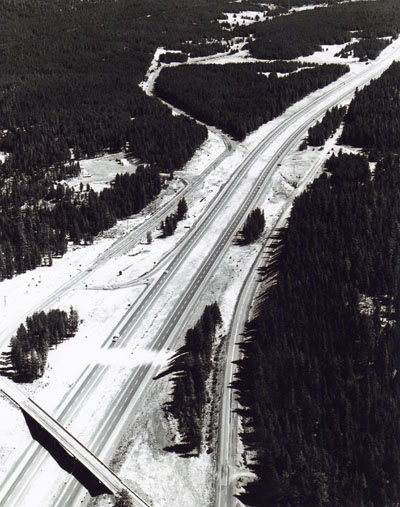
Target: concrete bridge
(72, 445)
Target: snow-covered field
(100, 171)
(162, 476)
(243, 18)
(237, 54)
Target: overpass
(71, 444)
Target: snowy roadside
(145, 449)
(146, 461)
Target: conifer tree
(253, 226)
(182, 209)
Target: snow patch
(243, 18)
(99, 172)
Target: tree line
(320, 132)
(318, 381)
(348, 168)
(222, 95)
(34, 235)
(63, 87)
(31, 344)
(191, 366)
(303, 33)
(172, 57)
(365, 49)
(69, 90)
(373, 119)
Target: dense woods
(318, 381)
(34, 235)
(69, 81)
(302, 33)
(348, 168)
(68, 90)
(373, 118)
(365, 49)
(31, 344)
(253, 226)
(191, 366)
(170, 57)
(224, 95)
(320, 132)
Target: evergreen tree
(30, 345)
(73, 321)
(168, 226)
(253, 226)
(192, 365)
(182, 209)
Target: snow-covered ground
(159, 474)
(100, 171)
(328, 55)
(234, 19)
(145, 454)
(242, 18)
(101, 310)
(237, 54)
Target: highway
(68, 441)
(228, 433)
(227, 462)
(103, 439)
(126, 243)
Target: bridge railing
(70, 443)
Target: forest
(191, 366)
(31, 344)
(36, 234)
(365, 49)
(223, 95)
(69, 90)
(70, 75)
(303, 33)
(322, 130)
(318, 380)
(373, 119)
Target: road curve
(225, 487)
(142, 376)
(176, 321)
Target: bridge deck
(70, 443)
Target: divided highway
(227, 471)
(68, 441)
(103, 439)
(128, 241)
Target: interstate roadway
(106, 435)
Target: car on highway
(115, 338)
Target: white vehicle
(115, 337)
